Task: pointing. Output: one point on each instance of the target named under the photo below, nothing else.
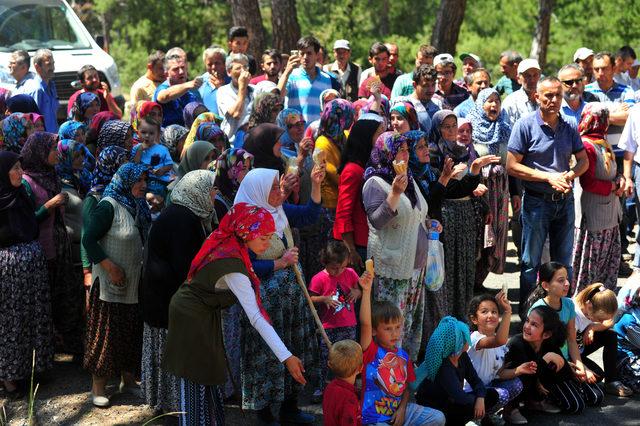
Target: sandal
(617, 388)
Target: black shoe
(625, 270)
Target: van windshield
(39, 24)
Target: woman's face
(261, 244)
(399, 123)
(403, 153)
(81, 136)
(533, 329)
(464, 134)
(38, 126)
(277, 149)
(156, 114)
(213, 193)
(296, 128)
(329, 97)
(422, 151)
(207, 160)
(140, 187)
(92, 109)
(491, 107)
(275, 195)
(78, 160)
(52, 158)
(15, 175)
(220, 143)
(449, 128)
(243, 169)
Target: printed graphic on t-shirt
(340, 297)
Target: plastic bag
(434, 275)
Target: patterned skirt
(459, 241)
(201, 405)
(25, 311)
(231, 329)
(596, 258)
(161, 389)
(408, 295)
(265, 380)
(114, 337)
(494, 258)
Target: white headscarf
(255, 189)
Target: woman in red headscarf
(221, 274)
(597, 249)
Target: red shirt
(340, 404)
(350, 214)
(103, 101)
(338, 288)
(258, 79)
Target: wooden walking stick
(313, 308)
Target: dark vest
(350, 89)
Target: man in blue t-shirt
(540, 148)
(175, 93)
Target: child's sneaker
(515, 417)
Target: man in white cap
(347, 73)
(508, 83)
(584, 58)
(523, 101)
(470, 63)
(450, 94)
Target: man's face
(393, 54)
(380, 62)
(572, 83)
(423, 59)
(236, 70)
(509, 69)
(342, 55)
(215, 65)
(177, 72)
(90, 80)
(481, 80)
(425, 90)
(529, 79)
(624, 64)
(17, 71)
(445, 76)
(469, 65)
(587, 65)
(271, 66)
(157, 71)
(46, 68)
(603, 71)
(238, 45)
(549, 97)
(309, 58)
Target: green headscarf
(194, 156)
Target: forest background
(548, 29)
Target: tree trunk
(541, 36)
(384, 19)
(246, 13)
(284, 20)
(447, 27)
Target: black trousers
(607, 340)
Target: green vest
(195, 349)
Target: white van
(52, 24)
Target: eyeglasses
(572, 82)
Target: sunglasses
(572, 82)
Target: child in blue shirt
(154, 155)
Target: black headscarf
(259, 142)
(22, 103)
(16, 208)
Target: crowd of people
(181, 242)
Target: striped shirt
(303, 94)
(616, 93)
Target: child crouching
(340, 404)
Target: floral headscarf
(172, 134)
(211, 132)
(81, 104)
(35, 154)
(34, 117)
(69, 129)
(242, 223)
(109, 161)
(337, 116)
(205, 117)
(193, 191)
(408, 112)
(78, 179)
(287, 117)
(188, 113)
(447, 339)
(229, 165)
(385, 107)
(113, 133)
(486, 132)
(381, 162)
(593, 126)
(15, 128)
(120, 190)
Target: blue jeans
(539, 219)
(417, 415)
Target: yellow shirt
(330, 182)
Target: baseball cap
(341, 44)
(527, 64)
(443, 57)
(582, 54)
(470, 55)
(636, 63)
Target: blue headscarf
(68, 149)
(447, 339)
(485, 131)
(109, 161)
(418, 169)
(82, 102)
(288, 144)
(69, 129)
(120, 190)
